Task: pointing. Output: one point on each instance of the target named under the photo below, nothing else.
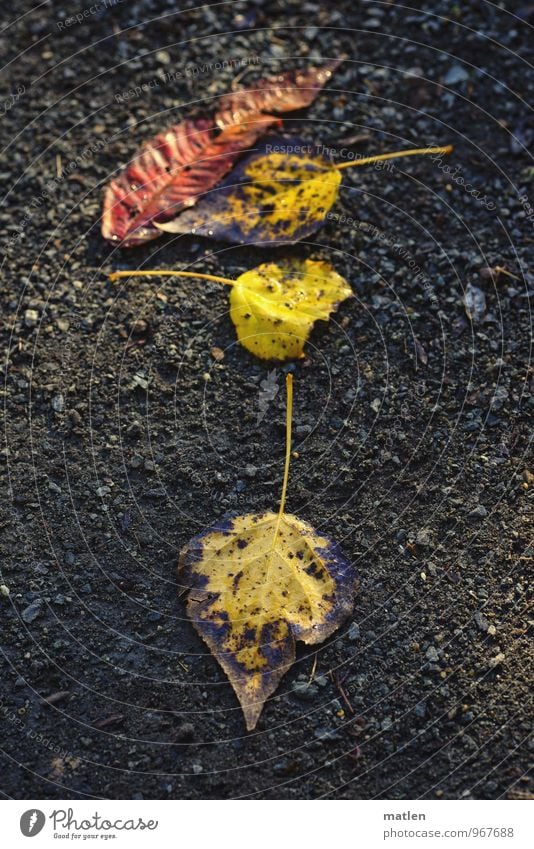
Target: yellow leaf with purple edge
(271, 198)
(258, 583)
(275, 197)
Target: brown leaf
(293, 90)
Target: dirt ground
(125, 436)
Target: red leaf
(284, 93)
(178, 165)
(170, 172)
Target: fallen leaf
(258, 583)
(284, 93)
(269, 197)
(273, 198)
(180, 164)
(169, 173)
(274, 307)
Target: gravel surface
(127, 431)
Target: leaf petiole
(289, 419)
(415, 151)
(226, 280)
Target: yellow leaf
(274, 307)
(258, 583)
(273, 197)
(285, 195)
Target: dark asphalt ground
(125, 437)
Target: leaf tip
(252, 713)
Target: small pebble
(305, 691)
(185, 732)
(354, 632)
(31, 317)
(432, 655)
(423, 537)
(138, 327)
(481, 622)
(455, 74)
(30, 613)
(140, 381)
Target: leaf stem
(415, 151)
(226, 280)
(289, 419)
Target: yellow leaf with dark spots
(258, 583)
(269, 198)
(274, 198)
(274, 307)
